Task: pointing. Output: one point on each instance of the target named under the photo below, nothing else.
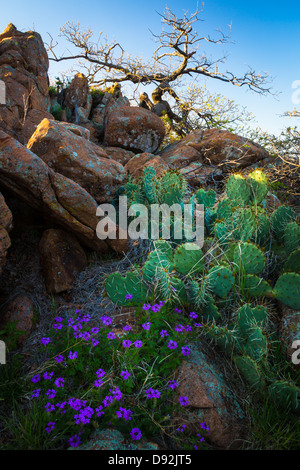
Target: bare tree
(177, 56)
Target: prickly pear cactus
(188, 258)
(255, 286)
(292, 263)
(118, 287)
(258, 183)
(207, 198)
(171, 188)
(149, 184)
(251, 372)
(249, 259)
(287, 290)
(249, 317)
(256, 345)
(238, 190)
(221, 280)
(279, 219)
(291, 237)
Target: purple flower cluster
(151, 393)
(84, 415)
(123, 413)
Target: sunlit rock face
(24, 71)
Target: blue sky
(265, 35)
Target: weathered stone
(136, 164)
(23, 68)
(196, 174)
(119, 155)
(21, 311)
(5, 226)
(76, 95)
(78, 159)
(290, 331)
(77, 130)
(211, 401)
(33, 119)
(111, 439)
(62, 258)
(63, 202)
(6, 218)
(133, 128)
(214, 147)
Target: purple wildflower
(127, 328)
(108, 400)
(182, 428)
(51, 393)
(50, 426)
(48, 375)
(126, 343)
(100, 373)
(185, 350)
(59, 358)
(95, 330)
(146, 307)
(183, 401)
(35, 378)
(164, 333)
(117, 394)
(98, 383)
(125, 374)
(138, 344)
(36, 393)
(136, 434)
(110, 335)
(156, 308)
(76, 403)
(123, 413)
(151, 393)
(106, 320)
(74, 441)
(147, 325)
(59, 382)
(45, 341)
(179, 328)
(172, 345)
(193, 315)
(173, 384)
(128, 296)
(49, 407)
(72, 355)
(99, 411)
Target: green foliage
(286, 393)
